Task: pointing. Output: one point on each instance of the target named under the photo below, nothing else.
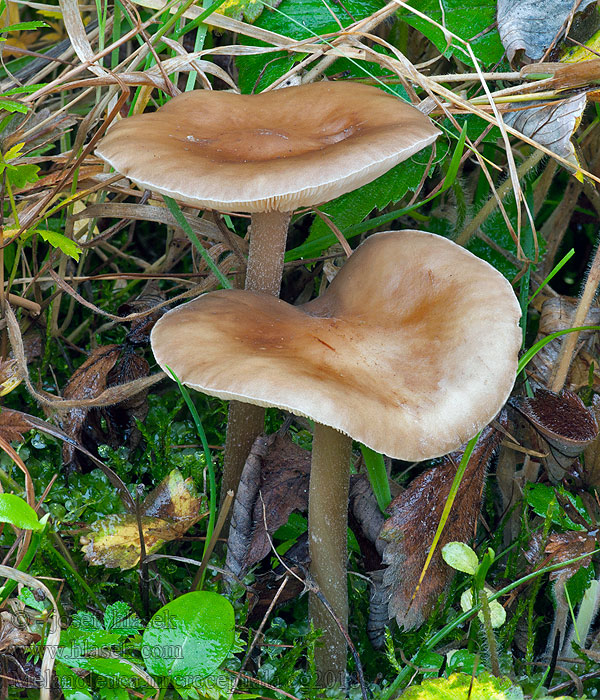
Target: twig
(569, 344)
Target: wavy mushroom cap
(411, 350)
(273, 151)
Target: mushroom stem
(245, 423)
(268, 236)
(328, 527)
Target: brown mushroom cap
(411, 350)
(274, 151)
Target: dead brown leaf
(414, 518)
(562, 546)
(109, 366)
(141, 327)
(274, 483)
(14, 634)
(87, 382)
(563, 421)
(13, 425)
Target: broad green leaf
(297, 19)
(73, 686)
(461, 557)
(349, 210)
(64, 244)
(17, 512)
(474, 22)
(189, 637)
(461, 686)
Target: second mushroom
(411, 350)
(267, 154)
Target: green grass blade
(377, 476)
(212, 482)
(182, 221)
(555, 269)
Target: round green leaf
(17, 512)
(461, 557)
(497, 612)
(189, 638)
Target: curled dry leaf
(564, 422)
(557, 315)
(551, 124)
(165, 515)
(14, 634)
(414, 518)
(12, 425)
(528, 28)
(107, 366)
(274, 483)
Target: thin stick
(570, 342)
(471, 228)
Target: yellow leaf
(167, 513)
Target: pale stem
(268, 236)
(328, 527)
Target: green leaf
(474, 22)
(64, 244)
(20, 175)
(119, 618)
(461, 557)
(86, 621)
(23, 90)
(189, 637)
(22, 26)
(73, 686)
(377, 476)
(497, 612)
(461, 686)
(14, 152)
(540, 497)
(12, 106)
(297, 19)
(349, 211)
(17, 512)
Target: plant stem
(328, 526)
(268, 237)
(489, 633)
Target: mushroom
(267, 154)
(411, 350)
